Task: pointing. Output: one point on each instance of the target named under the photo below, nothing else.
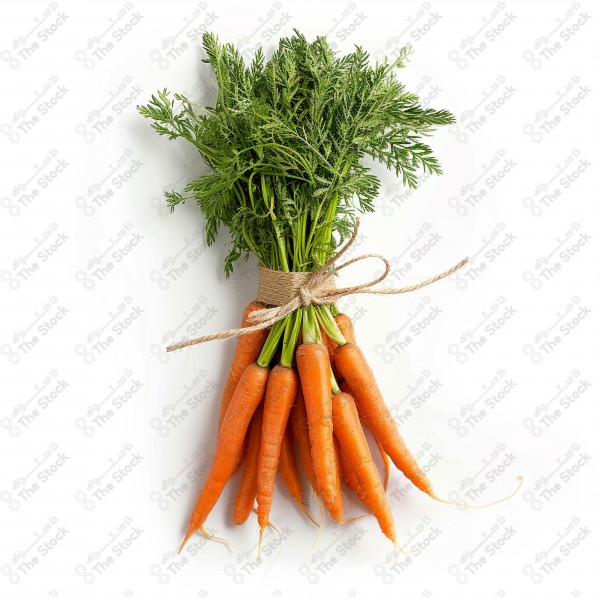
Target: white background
(105, 439)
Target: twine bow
(290, 291)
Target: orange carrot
(330, 345)
(384, 457)
(374, 413)
(289, 472)
(299, 423)
(246, 352)
(246, 495)
(314, 369)
(244, 402)
(353, 444)
(346, 470)
(345, 325)
(279, 397)
(346, 328)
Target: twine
(293, 290)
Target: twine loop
(288, 291)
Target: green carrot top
(286, 140)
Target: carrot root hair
(260, 536)
(463, 505)
(306, 513)
(352, 519)
(397, 547)
(210, 536)
(322, 513)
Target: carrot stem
(271, 343)
(329, 325)
(310, 330)
(290, 338)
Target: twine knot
(288, 291)
(306, 296)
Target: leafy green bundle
(285, 141)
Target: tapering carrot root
(246, 352)
(299, 423)
(289, 472)
(244, 402)
(244, 501)
(360, 465)
(314, 369)
(375, 414)
(279, 397)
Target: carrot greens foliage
(286, 143)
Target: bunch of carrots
(285, 144)
(319, 396)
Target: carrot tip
(188, 535)
(260, 537)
